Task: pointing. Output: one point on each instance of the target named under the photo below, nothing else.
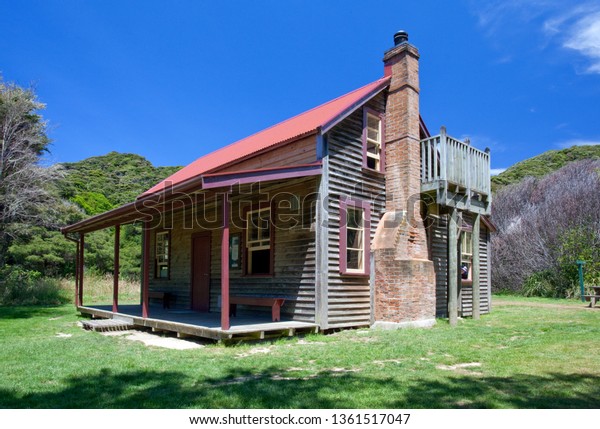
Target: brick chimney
(404, 276)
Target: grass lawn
(520, 356)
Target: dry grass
(99, 289)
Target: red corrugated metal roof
(302, 124)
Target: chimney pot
(400, 37)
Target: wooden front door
(201, 272)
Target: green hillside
(95, 185)
(543, 164)
(103, 182)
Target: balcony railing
(454, 166)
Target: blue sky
(173, 80)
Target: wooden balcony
(456, 173)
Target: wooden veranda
(189, 323)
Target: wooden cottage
(350, 214)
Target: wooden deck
(456, 173)
(188, 323)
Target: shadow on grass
(27, 311)
(273, 388)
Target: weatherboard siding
(439, 255)
(349, 297)
(466, 297)
(299, 152)
(294, 253)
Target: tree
(26, 197)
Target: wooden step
(104, 325)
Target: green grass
(520, 299)
(530, 357)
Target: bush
(22, 287)
(540, 284)
(544, 226)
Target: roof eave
(385, 82)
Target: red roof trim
(384, 82)
(220, 180)
(262, 170)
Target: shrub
(540, 284)
(23, 287)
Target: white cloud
(573, 27)
(577, 142)
(496, 171)
(492, 13)
(584, 37)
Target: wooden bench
(165, 297)
(274, 303)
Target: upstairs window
(162, 247)
(258, 241)
(372, 141)
(466, 255)
(355, 218)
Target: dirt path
(500, 303)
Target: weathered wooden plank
(476, 267)
(322, 237)
(453, 268)
(104, 325)
(296, 153)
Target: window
(258, 241)
(355, 238)
(162, 255)
(355, 217)
(466, 255)
(372, 141)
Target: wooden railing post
(77, 303)
(424, 172)
(475, 269)
(443, 154)
(453, 267)
(115, 307)
(81, 266)
(225, 323)
(146, 270)
(468, 174)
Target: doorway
(200, 290)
